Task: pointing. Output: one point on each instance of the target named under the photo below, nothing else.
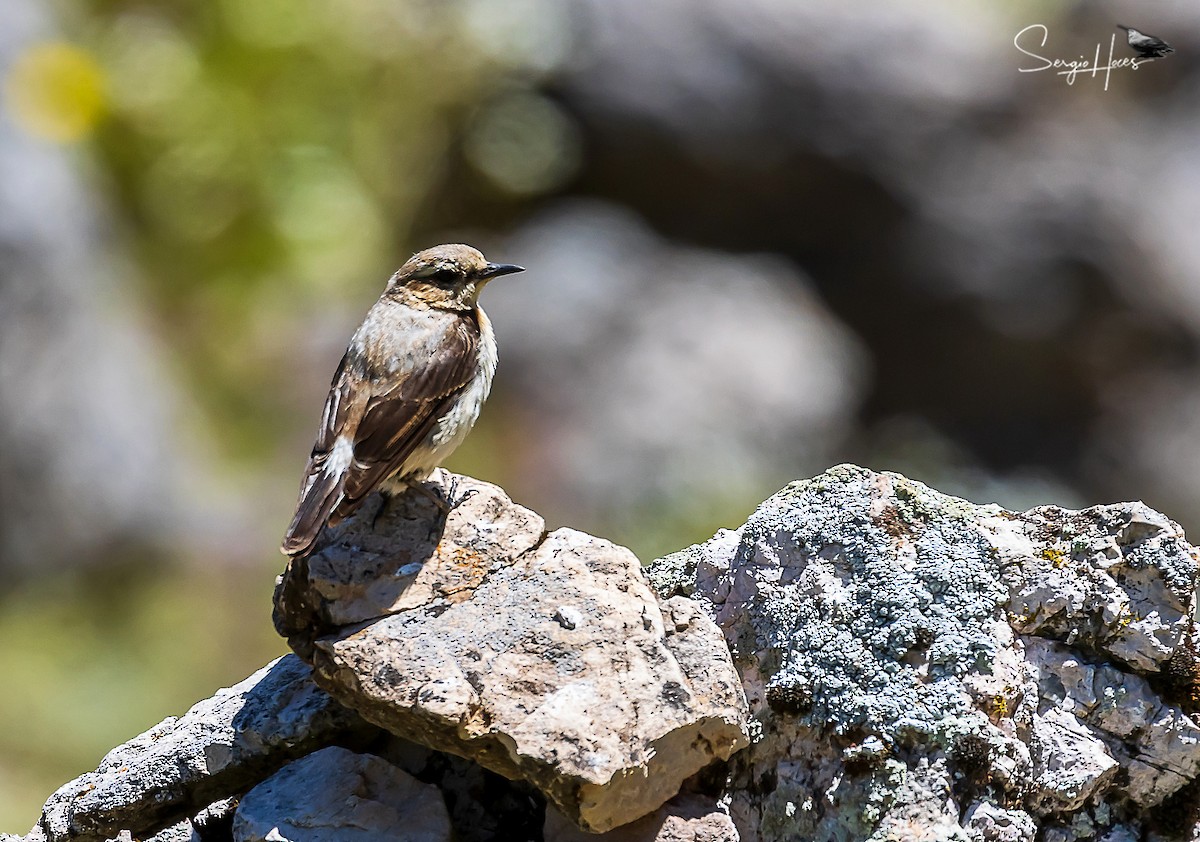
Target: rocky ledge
(865, 658)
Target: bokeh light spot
(150, 63)
(524, 144)
(55, 91)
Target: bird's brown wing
(386, 418)
(396, 422)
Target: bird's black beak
(494, 270)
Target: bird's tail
(1122, 26)
(318, 497)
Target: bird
(1146, 46)
(407, 391)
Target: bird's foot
(454, 498)
(446, 499)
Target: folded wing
(373, 422)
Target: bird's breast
(458, 421)
(396, 339)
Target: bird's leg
(444, 500)
(443, 503)
(452, 495)
(384, 499)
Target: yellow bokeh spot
(55, 91)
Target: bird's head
(448, 277)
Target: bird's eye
(443, 276)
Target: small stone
(335, 795)
(568, 617)
(182, 831)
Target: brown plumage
(407, 391)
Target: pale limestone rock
(182, 831)
(1116, 580)
(1168, 757)
(334, 795)
(400, 553)
(1158, 745)
(560, 668)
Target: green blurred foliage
(269, 155)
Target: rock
(402, 553)
(605, 718)
(905, 652)
(215, 822)
(334, 795)
(1070, 763)
(1157, 745)
(545, 659)
(685, 818)
(1115, 581)
(182, 831)
(220, 747)
(916, 666)
(986, 822)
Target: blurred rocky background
(762, 237)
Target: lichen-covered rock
(908, 655)
(560, 668)
(985, 822)
(335, 795)
(1070, 763)
(220, 747)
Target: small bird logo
(407, 391)
(1146, 46)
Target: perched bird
(1146, 46)
(407, 391)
